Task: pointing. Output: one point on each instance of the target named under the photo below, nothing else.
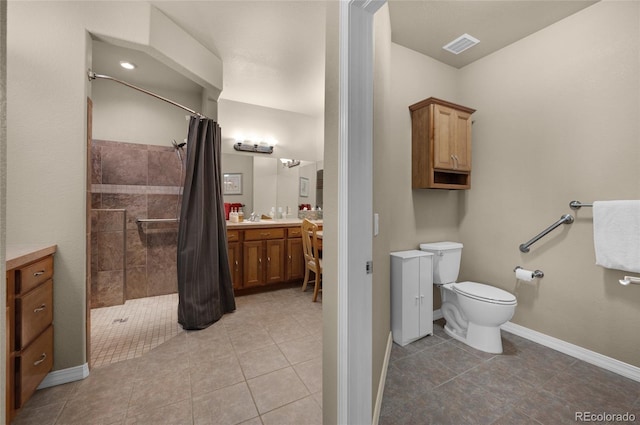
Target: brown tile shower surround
(130, 181)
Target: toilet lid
(482, 292)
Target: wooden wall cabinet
(29, 325)
(440, 145)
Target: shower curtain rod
(92, 76)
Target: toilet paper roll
(523, 274)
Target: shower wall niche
(130, 260)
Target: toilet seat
(484, 293)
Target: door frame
(355, 210)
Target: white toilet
(474, 311)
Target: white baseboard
(383, 380)
(597, 359)
(64, 376)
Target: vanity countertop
(264, 224)
(19, 255)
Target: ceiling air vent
(461, 44)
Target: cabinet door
(425, 277)
(234, 264)
(295, 259)
(274, 256)
(462, 141)
(443, 133)
(411, 299)
(252, 264)
(451, 139)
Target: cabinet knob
(39, 309)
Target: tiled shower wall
(145, 181)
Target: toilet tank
(446, 260)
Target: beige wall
(558, 116)
(558, 119)
(124, 115)
(381, 307)
(298, 136)
(46, 136)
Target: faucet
(254, 217)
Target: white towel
(616, 234)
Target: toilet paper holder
(535, 273)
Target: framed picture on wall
(232, 184)
(304, 187)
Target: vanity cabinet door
(274, 256)
(252, 259)
(235, 258)
(295, 259)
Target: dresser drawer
(294, 232)
(233, 235)
(34, 274)
(262, 234)
(34, 313)
(33, 365)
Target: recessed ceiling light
(461, 44)
(127, 65)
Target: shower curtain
(205, 291)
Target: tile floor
(438, 380)
(260, 365)
(130, 330)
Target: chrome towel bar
(157, 220)
(565, 219)
(576, 205)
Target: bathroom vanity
(265, 254)
(29, 317)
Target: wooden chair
(312, 260)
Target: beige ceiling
(273, 51)
(426, 26)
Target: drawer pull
(265, 234)
(42, 358)
(39, 273)
(39, 309)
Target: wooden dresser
(29, 322)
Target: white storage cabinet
(411, 295)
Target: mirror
(267, 183)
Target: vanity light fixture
(253, 147)
(460, 44)
(127, 65)
(289, 163)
